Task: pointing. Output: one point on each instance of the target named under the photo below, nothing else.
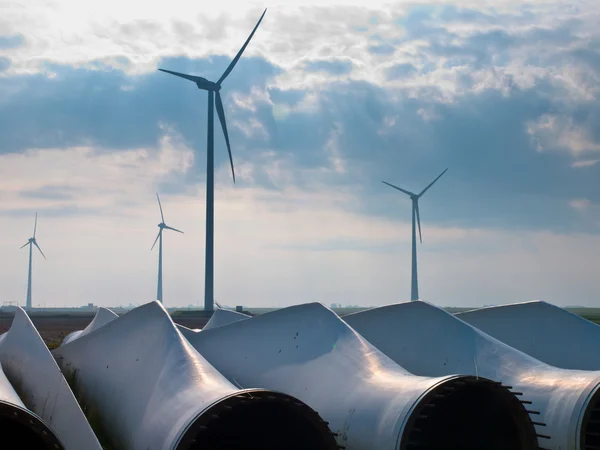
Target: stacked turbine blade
(101, 318)
(369, 401)
(29, 366)
(546, 332)
(151, 390)
(429, 341)
(224, 317)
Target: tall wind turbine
(213, 91)
(162, 226)
(414, 288)
(31, 242)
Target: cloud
(402, 70)
(4, 63)
(333, 67)
(10, 42)
(489, 137)
(580, 204)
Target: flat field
(53, 327)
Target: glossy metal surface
(224, 317)
(31, 369)
(147, 384)
(102, 317)
(429, 341)
(544, 331)
(308, 352)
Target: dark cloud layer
(497, 177)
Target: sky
(329, 99)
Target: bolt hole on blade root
(264, 420)
(469, 413)
(22, 430)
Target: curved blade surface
(35, 225)
(221, 114)
(239, 54)
(42, 387)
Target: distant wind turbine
(414, 289)
(31, 242)
(162, 226)
(213, 91)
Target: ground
(53, 327)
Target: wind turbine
(31, 242)
(213, 91)
(162, 226)
(414, 289)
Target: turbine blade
(157, 236)
(431, 184)
(174, 229)
(239, 54)
(418, 220)
(400, 189)
(38, 247)
(160, 206)
(25, 244)
(221, 114)
(35, 225)
(193, 78)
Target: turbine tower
(214, 96)
(414, 287)
(162, 226)
(31, 242)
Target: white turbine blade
(239, 54)
(307, 351)
(151, 390)
(35, 226)
(418, 220)
(548, 333)
(222, 317)
(221, 114)
(174, 229)
(429, 341)
(155, 240)
(38, 247)
(431, 184)
(102, 317)
(21, 424)
(400, 189)
(201, 82)
(28, 363)
(25, 244)
(160, 206)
